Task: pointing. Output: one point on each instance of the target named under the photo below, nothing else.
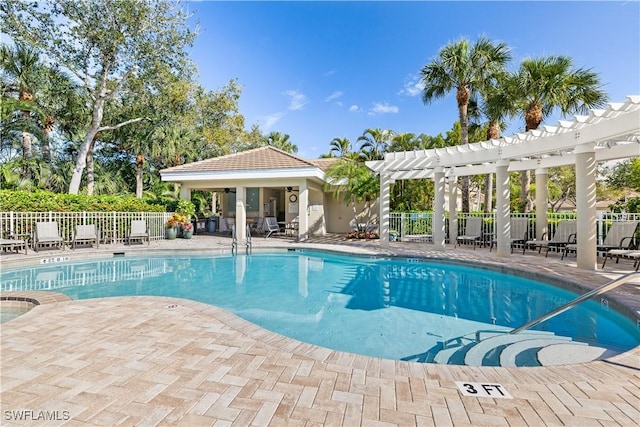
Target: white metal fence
(112, 226)
(418, 226)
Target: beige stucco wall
(339, 215)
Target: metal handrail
(595, 292)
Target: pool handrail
(595, 292)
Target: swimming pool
(394, 308)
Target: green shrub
(43, 201)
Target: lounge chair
(565, 234)
(624, 253)
(472, 232)
(271, 226)
(519, 232)
(87, 233)
(13, 244)
(139, 231)
(47, 235)
(621, 235)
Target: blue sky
(320, 70)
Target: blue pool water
(401, 309)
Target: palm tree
(22, 68)
(375, 143)
(340, 147)
(280, 141)
(542, 85)
(465, 68)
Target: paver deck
(167, 361)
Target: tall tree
(462, 67)
(340, 147)
(374, 143)
(542, 85)
(281, 141)
(102, 43)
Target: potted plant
(171, 227)
(187, 230)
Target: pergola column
(303, 211)
(542, 195)
(438, 209)
(241, 214)
(503, 209)
(586, 205)
(385, 199)
(453, 209)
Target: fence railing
(418, 226)
(113, 226)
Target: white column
(453, 209)
(185, 192)
(385, 198)
(241, 214)
(438, 209)
(542, 202)
(503, 209)
(303, 211)
(586, 205)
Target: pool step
(530, 348)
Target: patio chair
(13, 244)
(519, 232)
(472, 232)
(257, 227)
(87, 233)
(621, 235)
(565, 234)
(271, 226)
(139, 231)
(47, 235)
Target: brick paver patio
(166, 361)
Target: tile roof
(259, 158)
(325, 163)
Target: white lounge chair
(86, 233)
(139, 231)
(565, 234)
(47, 235)
(271, 226)
(621, 235)
(519, 232)
(472, 232)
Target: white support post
(303, 211)
(438, 209)
(542, 202)
(385, 198)
(453, 209)
(586, 205)
(503, 209)
(241, 214)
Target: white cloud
(270, 120)
(297, 100)
(335, 95)
(413, 86)
(383, 108)
(330, 73)
(355, 108)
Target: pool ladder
(234, 241)
(595, 292)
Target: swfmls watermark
(35, 415)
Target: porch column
(586, 205)
(385, 198)
(542, 203)
(303, 211)
(241, 214)
(503, 210)
(453, 209)
(185, 192)
(438, 209)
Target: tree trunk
(91, 179)
(139, 170)
(47, 128)
(462, 97)
(488, 193)
(532, 118)
(83, 150)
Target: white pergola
(605, 134)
